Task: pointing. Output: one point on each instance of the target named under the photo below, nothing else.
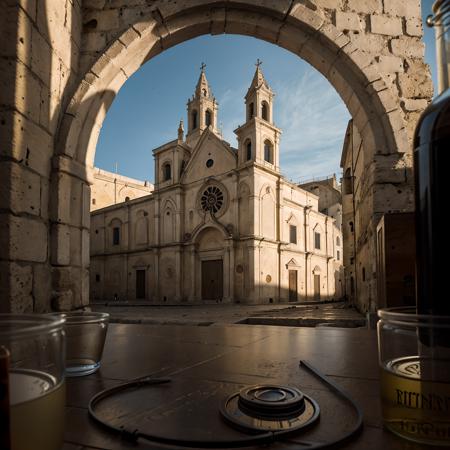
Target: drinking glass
(32, 366)
(414, 358)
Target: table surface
(207, 364)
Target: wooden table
(206, 364)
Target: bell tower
(202, 110)
(258, 138)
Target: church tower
(258, 138)
(202, 110)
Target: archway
(307, 32)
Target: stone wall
(63, 61)
(111, 188)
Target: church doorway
(212, 280)
(293, 286)
(140, 284)
(316, 287)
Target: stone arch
(269, 151)
(115, 233)
(216, 225)
(208, 118)
(267, 213)
(245, 214)
(265, 111)
(168, 230)
(305, 31)
(210, 238)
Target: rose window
(212, 199)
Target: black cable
(263, 438)
(343, 394)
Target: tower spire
(202, 88)
(258, 79)
(202, 109)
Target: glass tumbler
(32, 366)
(414, 359)
(86, 334)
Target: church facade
(222, 224)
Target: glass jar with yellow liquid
(415, 374)
(32, 359)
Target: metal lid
(270, 408)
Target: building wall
(111, 188)
(168, 235)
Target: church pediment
(210, 157)
(292, 263)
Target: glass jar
(415, 375)
(33, 355)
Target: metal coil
(441, 16)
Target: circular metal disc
(265, 419)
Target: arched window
(250, 111)
(268, 151)
(194, 120)
(127, 199)
(265, 111)
(208, 121)
(338, 241)
(167, 172)
(248, 149)
(348, 182)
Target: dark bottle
(432, 181)
(432, 189)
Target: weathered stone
(411, 104)
(390, 64)
(371, 43)
(349, 21)
(410, 47)
(42, 288)
(381, 24)
(23, 238)
(414, 27)
(103, 20)
(415, 85)
(25, 142)
(409, 8)
(60, 245)
(62, 300)
(25, 92)
(16, 288)
(16, 41)
(94, 41)
(20, 190)
(365, 6)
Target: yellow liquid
(37, 411)
(413, 408)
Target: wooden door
(212, 280)
(292, 285)
(140, 283)
(316, 287)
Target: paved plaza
(339, 314)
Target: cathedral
(222, 224)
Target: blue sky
(148, 108)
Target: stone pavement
(338, 314)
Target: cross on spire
(202, 66)
(258, 63)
